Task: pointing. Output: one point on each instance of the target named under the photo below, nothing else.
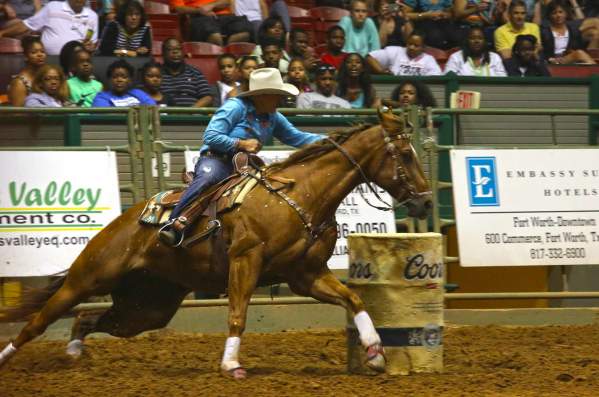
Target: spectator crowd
(485, 38)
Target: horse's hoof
(235, 373)
(75, 348)
(376, 358)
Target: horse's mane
(318, 148)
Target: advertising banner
(353, 215)
(526, 206)
(51, 205)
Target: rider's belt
(216, 155)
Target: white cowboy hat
(268, 81)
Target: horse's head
(397, 168)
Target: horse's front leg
(244, 272)
(327, 288)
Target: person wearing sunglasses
(324, 97)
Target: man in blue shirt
(242, 124)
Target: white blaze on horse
(284, 234)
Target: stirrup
(167, 230)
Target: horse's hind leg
(327, 288)
(60, 303)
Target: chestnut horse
(267, 240)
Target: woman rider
(242, 124)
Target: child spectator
(227, 82)
(324, 97)
(272, 29)
(83, 88)
(60, 22)
(65, 58)
(354, 83)
(505, 35)
(21, 83)
(128, 35)
(434, 18)
(151, 80)
(408, 61)
(120, 74)
(334, 54)
(49, 88)
(361, 35)
(184, 83)
(525, 60)
(391, 23)
(297, 76)
(475, 59)
(562, 43)
(299, 48)
(411, 92)
(245, 66)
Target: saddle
(223, 196)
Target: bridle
(398, 170)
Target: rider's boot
(173, 233)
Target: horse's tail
(32, 301)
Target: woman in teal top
(354, 83)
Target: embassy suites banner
(353, 214)
(51, 205)
(526, 206)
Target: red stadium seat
(155, 8)
(201, 48)
(240, 48)
(440, 55)
(324, 18)
(208, 66)
(577, 71)
(297, 12)
(10, 46)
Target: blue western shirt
(237, 120)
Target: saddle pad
(159, 208)
(156, 211)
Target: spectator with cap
(184, 83)
(60, 22)
(120, 75)
(21, 84)
(129, 34)
(324, 97)
(361, 35)
(213, 21)
(505, 35)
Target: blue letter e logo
(482, 181)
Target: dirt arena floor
(479, 361)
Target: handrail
(298, 300)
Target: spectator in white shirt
(60, 22)
(404, 61)
(324, 97)
(474, 59)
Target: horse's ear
(394, 124)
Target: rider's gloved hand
(249, 145)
